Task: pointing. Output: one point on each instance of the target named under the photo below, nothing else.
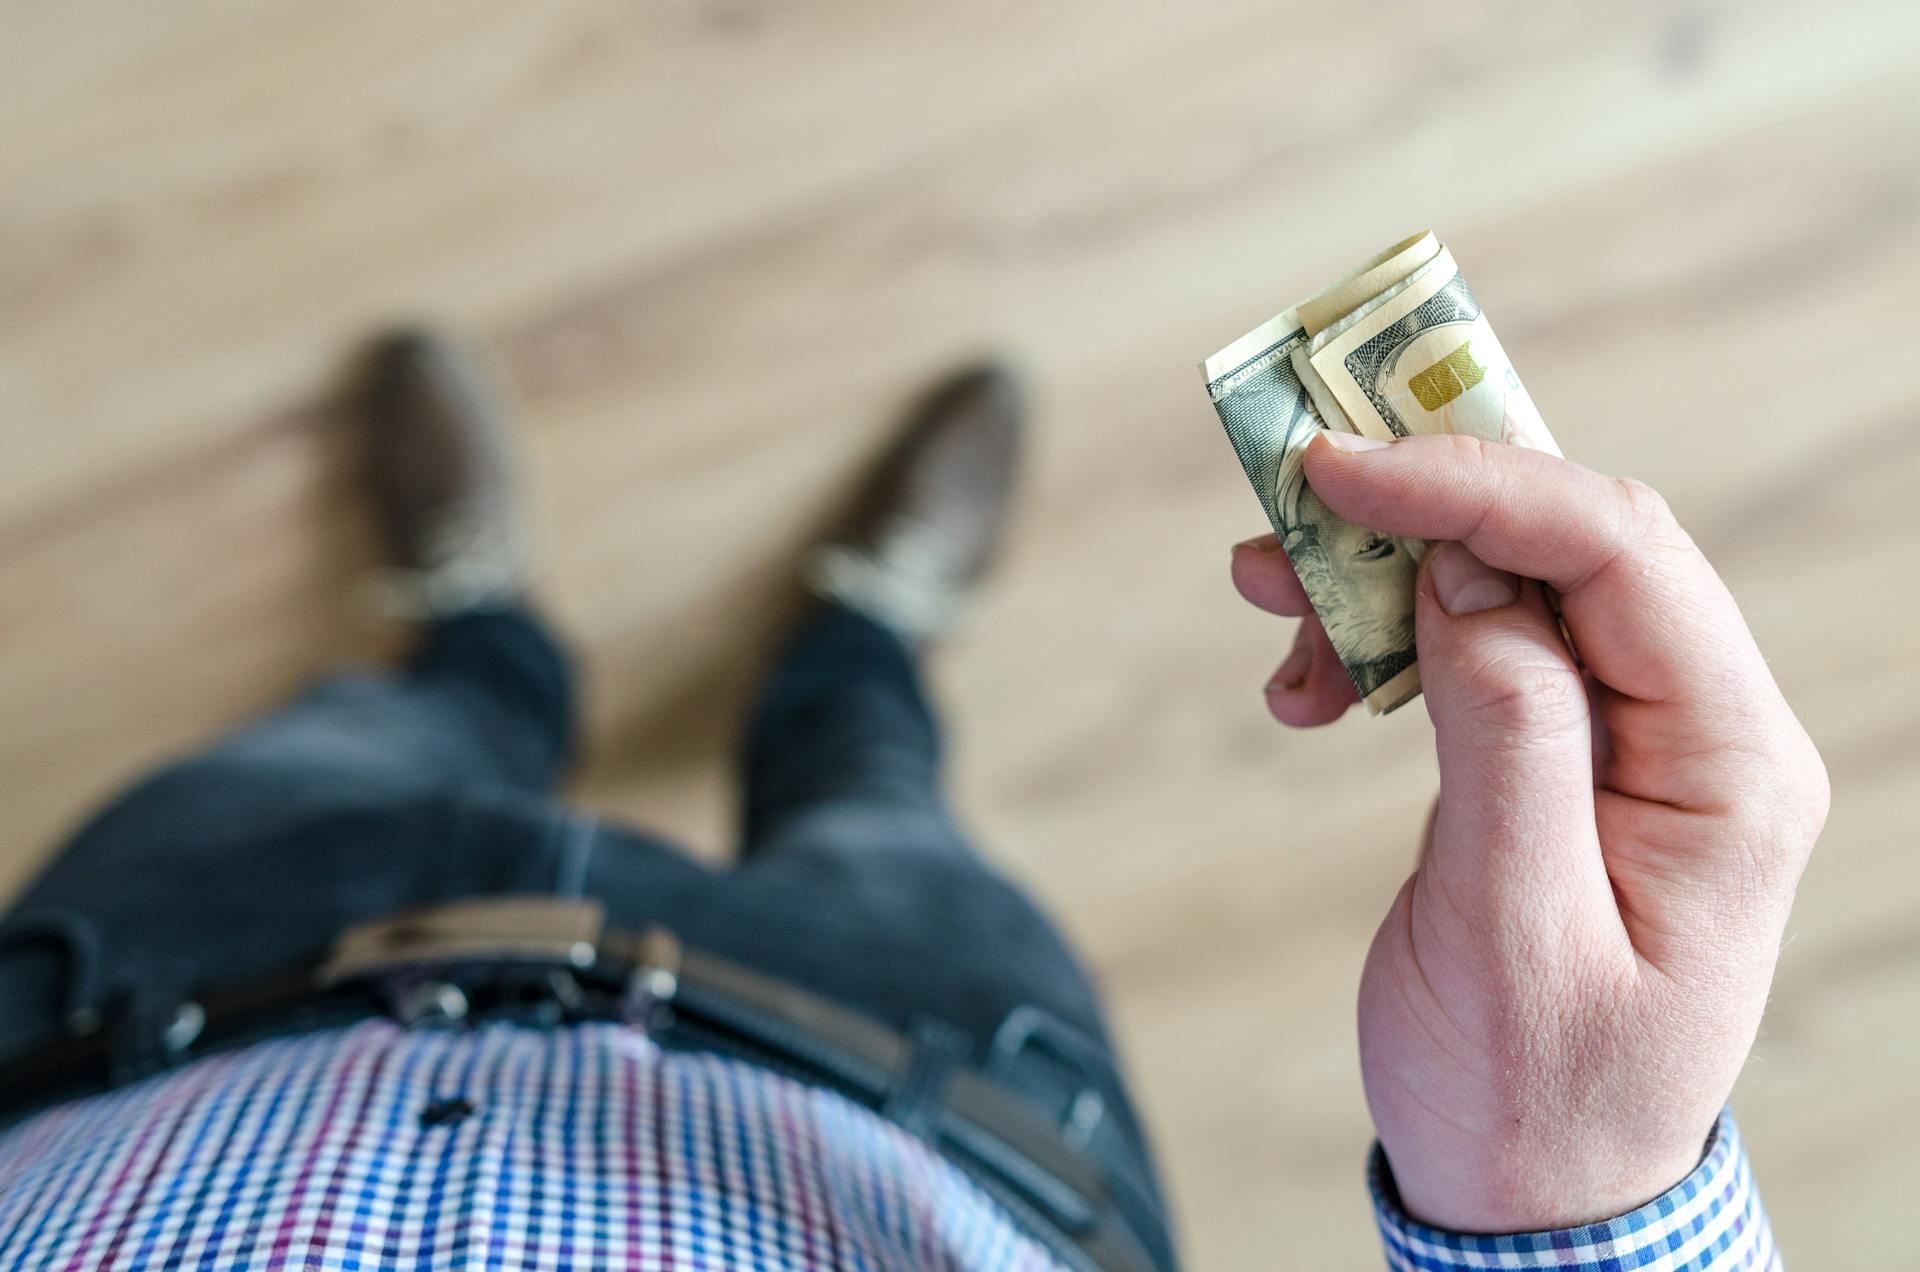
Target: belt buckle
(536, 931)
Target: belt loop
(646, 1003)
(577, 833)
(1071, 1053)
(76, 936)
(152, 1035)
(916, 1098)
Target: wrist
(1713, 1218)
(1536, 1188)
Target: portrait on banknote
(1358, 579)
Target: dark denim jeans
(382, 792)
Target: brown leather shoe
(441, 471)
(936, 509)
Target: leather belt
(553, 960)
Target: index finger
(1647, 613)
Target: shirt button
(446, 1112)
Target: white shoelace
(912, 582)
(468, 576)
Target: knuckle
(1645, 507)
(1470, 449)
(1809, 798)
(1523, 698)
(1778, 818)
(1490, 461)
(1634, 522)
(1478, 465)
(1819, 798)
(1642, 516)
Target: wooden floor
(713, 244)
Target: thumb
(1513, 837)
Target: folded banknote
(1397, 347)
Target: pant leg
(843, 733)
(365, 795)
(844, 808)
(487, 699)
(857, 881)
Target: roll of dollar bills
(1397, 347)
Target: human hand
(1562, 994)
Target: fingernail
(1293, 672)
(1264, 543)
(1353, 441)
(1465, 584)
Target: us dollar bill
(1397, 347)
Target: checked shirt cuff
(1712, 1219)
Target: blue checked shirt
(508, 1148)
